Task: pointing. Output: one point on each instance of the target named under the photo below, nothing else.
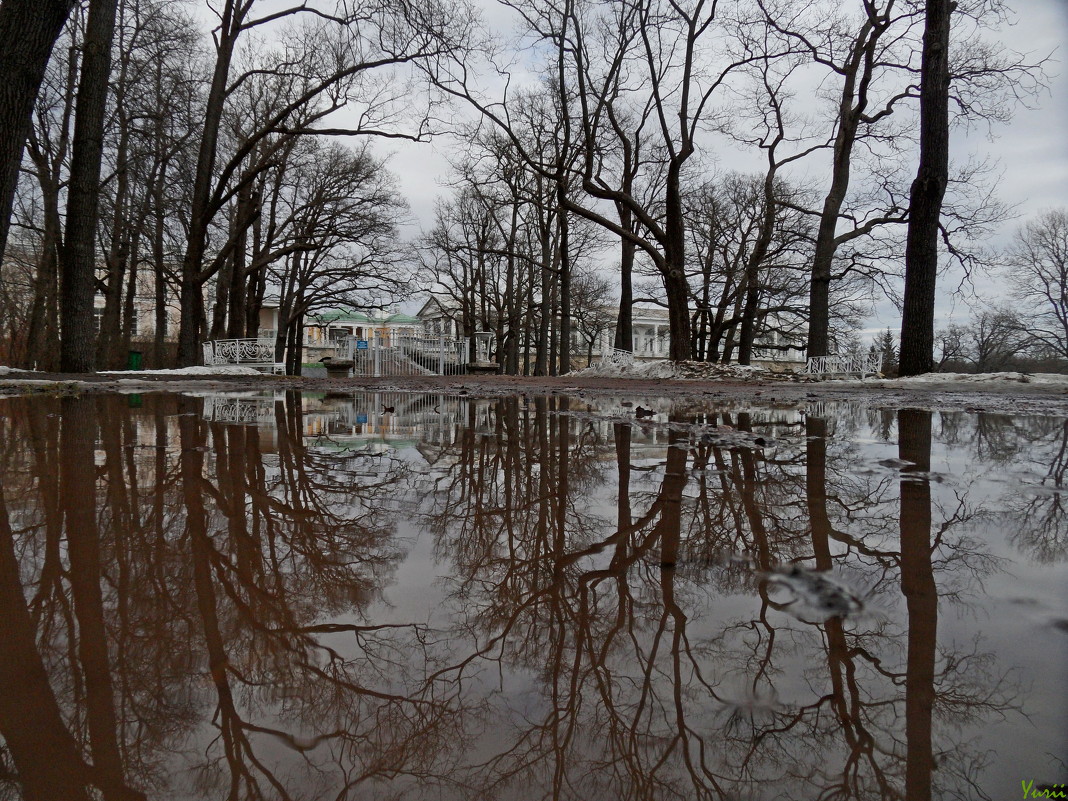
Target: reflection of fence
(408, 354)
(869, 364)
(246, 411)
(617, 357)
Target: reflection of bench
(862, 366)
(255, 353)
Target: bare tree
(330, 63)
(753, 246)
(637, 72)
(1037, 267)
(28, 31)
(78, 255)
(998, 339)
(925, 203)
(951, 344)
(340, 239)
(592, 294)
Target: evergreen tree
(888, 352)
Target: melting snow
(212, 370)
(666, 369)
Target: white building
(651, 332)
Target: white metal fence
(868, 364)
(617, 357)
(408, 354)
(257, 353)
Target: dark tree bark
(627, 249)
(78, 262)
(925, 204)
(78, 498)
(190, 294)
(625, 321)
(756, 258)
(46, 755)
(28, 31)
(857, 73)
(921, 599)
(565, 283)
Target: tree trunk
(160, 271)
(921, 600)
(110, 336)
(28, 31)
(43, 349)
(565, 282)
(510, 350)
(753, 264)
(78, 263)
(191, 324)
(747, 331)
(674, 269)
(541, 361)
(625, 321)
(851, 107)
(925, 202)
(129, 311)
(110, 333)
(221, 306)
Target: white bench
(255, 353)
(863, 366)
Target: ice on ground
(206, 370)
(1054, 379)
(676, 370)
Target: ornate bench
(863, 366)
(255, 353)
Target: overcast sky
(1032, 150)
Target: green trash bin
(133, 360)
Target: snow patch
(678, 370)
(6, 370)
(1049, 379)
(206, 370)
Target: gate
(396, 354)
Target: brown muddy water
(404, 596)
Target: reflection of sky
(426, 552)
(1012, 610)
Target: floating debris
(817, 596)
(896, 464)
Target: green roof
(352, 316)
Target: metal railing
(256, 353)
(408, 354)
(868, 364)
(245, 411)
(617, 357)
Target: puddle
(409, 596)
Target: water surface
(418, 596)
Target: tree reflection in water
(201, 609)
